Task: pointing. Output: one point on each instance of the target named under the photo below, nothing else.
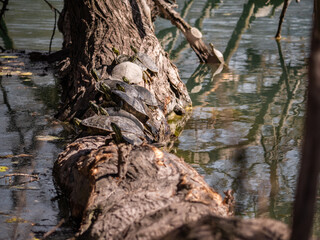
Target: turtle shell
(133, 105)
(122, 86)
(146, 96)
(147, 62)
(129, 70)
(119, 112)
(102, 124)
(122, 58)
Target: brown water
(244, 133)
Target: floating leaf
(3, 168)
(16, 220)
(47, 138)
(6, 56)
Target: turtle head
(105, 89)
(95, 75)
(117, 137)
(134, 49)
(94, 107)
(116, 51)
(77, 122)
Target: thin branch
(52, 7)
(62, 221)
(283, 12)
(53, 31)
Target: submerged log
(131, 192)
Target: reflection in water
(245, 130)
(28, 207)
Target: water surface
(245, 130)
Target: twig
(283, 12)
(3, 9)
(55, 22)
(54, 30)
(54, 229)
(52, 7)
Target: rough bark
(91, 29)
(149, 195)
(219, 228)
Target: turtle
(146, 96)
(119, 112)
(121, 86)
(217, 53)
(132, 105)
(145, 60)
(98, 109)
(123, 58)
(134, 91)
(124, 137)
(102, 125)
(131, 71)
(132, 98)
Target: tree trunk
(91, 29)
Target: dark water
(244, 133)
(29, 208)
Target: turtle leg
(148, 75)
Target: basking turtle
(98, 109)
(128, 70)
(132, 105)
(119, 112)
(122, 58)
(146, 96)
(124, 137)
(134, 91)
(145, 60)
(101, 124)
(114, 85)
(131, 98)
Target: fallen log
(125, 192)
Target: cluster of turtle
(128, 112)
